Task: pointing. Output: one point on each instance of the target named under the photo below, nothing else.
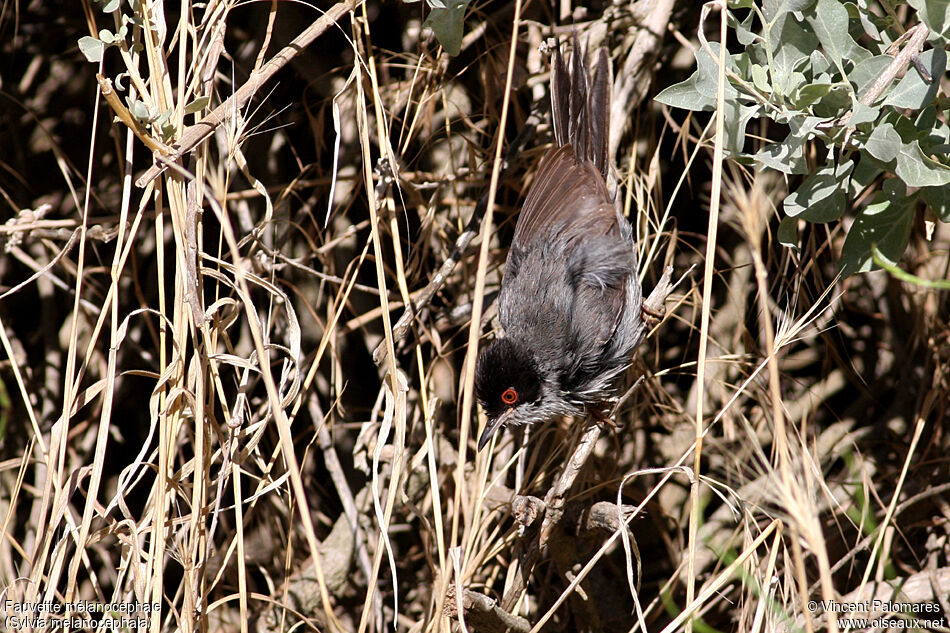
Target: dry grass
(190, 407)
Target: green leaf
(918, 170)
(743, 29)
(791, 47)
(884, 143)
(935, 14)
(830, 22)
(818, 64)
(736, 119)
(938, 199)
(167, 130)
(788, 233)
(884, 223)
(835, 103)
(163, 117)
(774, 9)
(866, 72)
(699, 91)
(804, 126)
(760, 78)
(446, 20)
(107, 37)
(904, 126)
(926, 120)
(197, 105)
(822, 196)
(912, 91)
(788, 156)
(810, 94)
(865, 172)
(110, 5)
(861, 113)
(91, 48)
(709, 74)
(876, 28)
(934, 131)
(140, 111)
(686, 96)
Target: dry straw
(246, 395)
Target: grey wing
(571, 270)
(567, 204)
(565, 193)
(606, 307)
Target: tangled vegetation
(250, 250)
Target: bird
(570, 299)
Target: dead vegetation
(210, 376)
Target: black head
(508, 385)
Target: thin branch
(915, 44)
(483, 614)
(198, 132)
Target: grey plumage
(570, 301)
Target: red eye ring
(509, 396)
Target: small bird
(570, 300)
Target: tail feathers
(580, 105)
(560, 99)
(599, 109)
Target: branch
(910, 54)
(483, 614)
(193, 135)
(916, 36)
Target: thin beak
(492, 426)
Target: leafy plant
(446, 19)
(138, 113)
(94, 47)
(856, 84)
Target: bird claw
(605, 422)
(652, 318)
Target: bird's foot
(605, 422)
(651, 317)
